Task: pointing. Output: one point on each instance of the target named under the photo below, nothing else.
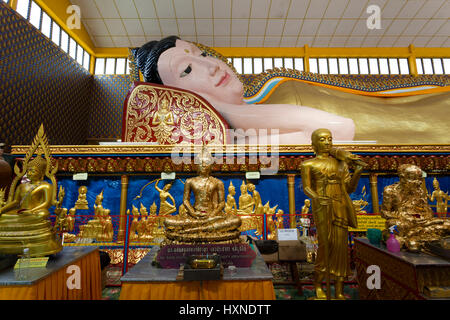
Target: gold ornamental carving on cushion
(168, 116)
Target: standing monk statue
(327, 181)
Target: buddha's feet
(320, 294)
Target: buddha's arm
(233, 204)
(306, 182)
(187, 200)
(46, 197)
(353, 183)
(13, 204)
(156, 185)
(287, 119)
(221, 198)
(387, 207)
(432, 196)
(173, 200)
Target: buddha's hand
(25, 212)
(356, 160)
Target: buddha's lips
(223, 79)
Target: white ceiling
(267, 23)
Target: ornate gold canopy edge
(142, 149)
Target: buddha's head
(436, 184)
(36, 169)
(153, 208)
(307, 203)
(164, 106)
(322, 140)
(174, 62)
(204, 162)
(410, 175)
(82, 190)
(231, 189)
(99, 198)
(143, 210)
(167, 187)
(243, 188)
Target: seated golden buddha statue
(405, 205)
(205, 221)
(24, 219)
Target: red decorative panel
(166, 116)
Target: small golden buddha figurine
(107, 231)
(305, 208)
(100, 227)
(81, 202)
(71, 219)
(304, 221)
(246, 204)
(405, 204)
(440, 196)
(327, 182)
(271, 228)
(61, 222)
(280, 219)
(134, 224)
(258, 208)
(153, 220)
(24, 219)
(246, 201)
(230, 205)
(205, 221)
(144, 231)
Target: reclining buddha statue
(24, 220)
(205, 221)
(385, 109)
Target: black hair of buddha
(147, 57)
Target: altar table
(50, 283)
(147, 282)
(404, 275)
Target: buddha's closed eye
(186, 71)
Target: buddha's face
(204, 168)
(34, 173)
(411, 176)
(436, 185)
(307, 203)
(184, 66)
(231, 190)
(322, 141)
(243, 188)
(98, 199)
